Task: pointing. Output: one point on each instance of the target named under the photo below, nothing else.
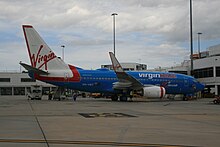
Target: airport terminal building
(207, 68)
(18, 84)
(128, 66)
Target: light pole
(113, 14)
(63, 46)
(199, 33)
(191, 37)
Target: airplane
(47, 67)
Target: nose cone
(200, 86)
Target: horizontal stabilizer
(33, 69)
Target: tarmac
(100, 122)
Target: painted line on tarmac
(38, 122)
(89, 143)
(109, 115)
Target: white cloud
(153, 32)
(11, 54)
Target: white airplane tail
(41, 56)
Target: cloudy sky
(153, 32)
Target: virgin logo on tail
(40, 59)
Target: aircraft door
(66, 77)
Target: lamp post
(199, 33)
(63, 46)
(191, 37)
(114, 14)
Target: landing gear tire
(185, 98)
(123, 98)
(215, 102)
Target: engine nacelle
(154, 92)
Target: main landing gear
(114, 97)
(122, 98)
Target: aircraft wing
(125, 80)
(33, 69)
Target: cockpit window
(196, 81)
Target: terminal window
(4, 79)
(204, 72)
(27, 80)
(217, 71)
(6, 90)
(19, 90)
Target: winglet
(116, 65)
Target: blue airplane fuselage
(102, 81)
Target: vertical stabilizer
(41, 56)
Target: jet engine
(154, 92)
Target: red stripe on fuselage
(161, 92)
(74, 78)
(76, 75)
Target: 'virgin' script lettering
(40, 59)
